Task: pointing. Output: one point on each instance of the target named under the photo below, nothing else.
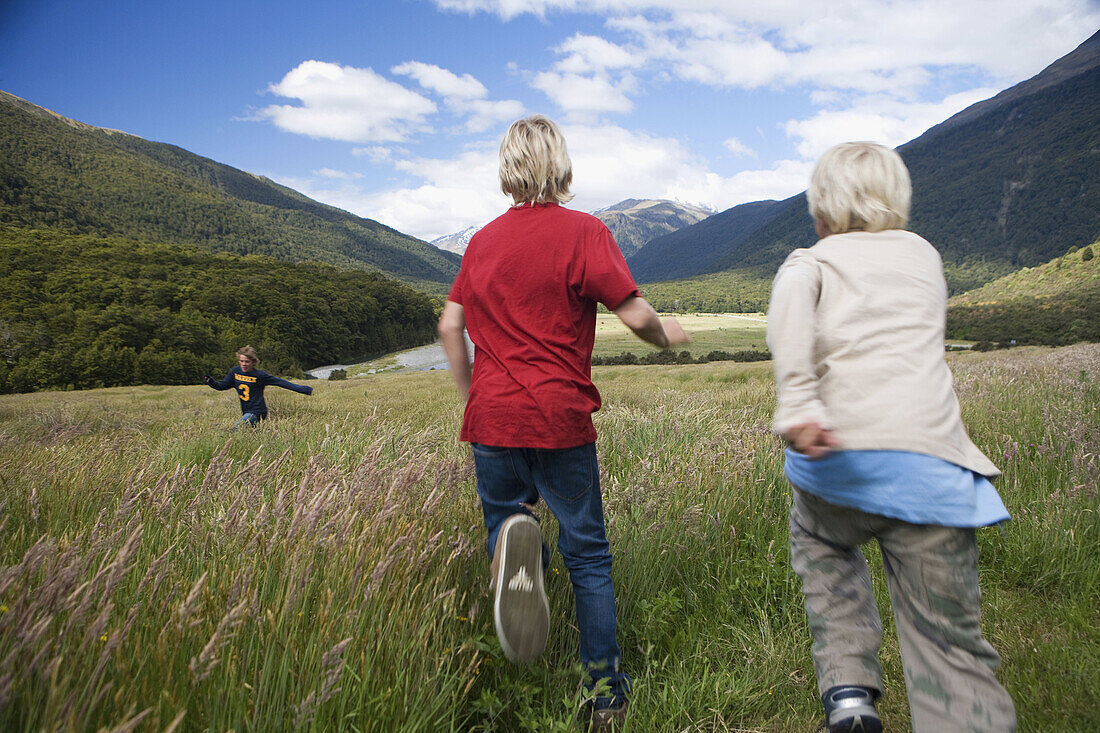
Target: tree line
(1055, 321)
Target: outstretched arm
(639, 317)
(280, 382)
(219, 384)
(451, 326)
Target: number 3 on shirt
(242, 389)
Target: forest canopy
(85, 311)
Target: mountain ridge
(633, 222)
(457, 242)
(985, 182)
(67, 175)
(688, 251)
(1080, 60)
(636, 222)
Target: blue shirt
(913, 487)
(250, 388)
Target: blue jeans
(568, 480)
(248, 419)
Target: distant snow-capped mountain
(633, 222)
(457, 242)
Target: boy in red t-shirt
(527, 294)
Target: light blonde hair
(250, 353)
(860, 186)
(534, 162)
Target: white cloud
(374, 153)
(586, 54)
(610, 163)
(878, 119)
(427, 211)
(591, 79)
(865, 45)
(333, 173)
(783, 179)
(475, 167)
(464, 95)
(451, 195)
(346, 103)
(727, 62)
(446, 83)
(738, 148)
(585, 96)
(484, 114)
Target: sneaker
(851, 709)
(606, 720)
(520, 608)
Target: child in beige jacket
(878, 451)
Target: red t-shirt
(528, 287)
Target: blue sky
(394, 109)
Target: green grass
(709, 332)
(1070, 273)
(326, 571)
(732, 291)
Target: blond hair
(250, 353)
(860, 186)
(534, 163)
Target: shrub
(684, 357)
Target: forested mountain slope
(1056, 303)
(695, 249)
(1009, 182)
(65, 175)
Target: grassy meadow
(327, 571)
(708, 331)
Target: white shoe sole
(520, 609)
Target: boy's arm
(280, 382)
(451, 326)
(219, 384)
(638, 315)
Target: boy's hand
(207, 378)
(674, 332)
(810, 439)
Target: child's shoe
(851, 709)
(520, 608)
(607, 720)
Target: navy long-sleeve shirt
(250, 388)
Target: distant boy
(527, 293)
(249, 383)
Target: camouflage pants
(932, 575)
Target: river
(422, 358)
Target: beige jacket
(856, 331)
